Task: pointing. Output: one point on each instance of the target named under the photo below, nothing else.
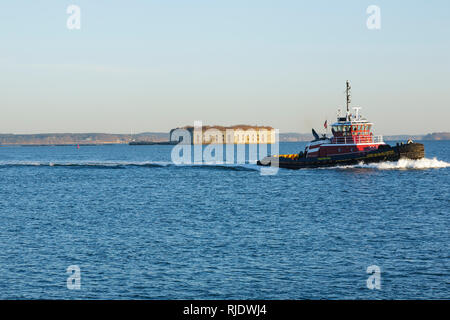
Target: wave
(83, 164)
(230, 167)
(389, 165)
(125, 165)
(403, 164)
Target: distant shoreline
(157, 138)
(152, 144)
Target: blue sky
(154, 65)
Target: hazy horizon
(140, 67)
(320, 131)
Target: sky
(152, 65)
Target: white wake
(406, 164)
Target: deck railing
(357, 139)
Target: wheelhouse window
(339, 128)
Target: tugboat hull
(412, 151)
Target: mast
(349, 97)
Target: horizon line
(167, 132)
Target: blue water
(141, 228)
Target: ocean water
(139, 227)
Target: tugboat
(352, 142)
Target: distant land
(437, 136)
(111, 138)
(80, 138)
